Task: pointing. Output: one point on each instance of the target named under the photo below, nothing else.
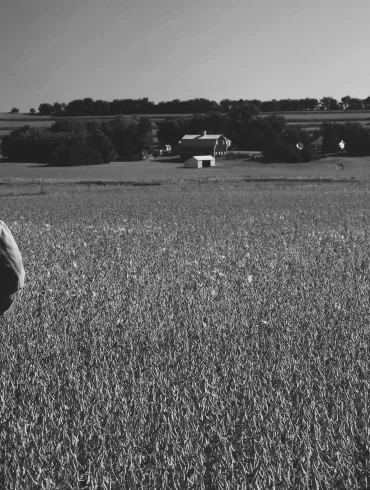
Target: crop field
(186, 337)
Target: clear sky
(60, 50)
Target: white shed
(200, 161)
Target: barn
(203, 144)
(200, 161)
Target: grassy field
(164, 170)
(189, 338)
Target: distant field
(294, 116)
(309, 120)
(321, 115)
(10, 125)
(165, 170)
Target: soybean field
(189, 337)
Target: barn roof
(318, 141)
(190, 136)
(201, 137)
(200, 142)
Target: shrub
(357, 139)
(73, 126)
(74, 153)
(281, 152)
(103, 145)
(130, 136)
(28, 145)
(355, 136)
(330, 140)
(308, 154)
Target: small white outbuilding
(200, 161)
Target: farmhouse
(200, 161)
(203, 144)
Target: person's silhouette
(11, 269)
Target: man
(11, 269)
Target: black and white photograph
(184, 245)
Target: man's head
(11, 269)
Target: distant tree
(170, 131)
(225, 105)
(14, 110)
(329, 104)
(256, 103)
(78, 152)
(308, 153)
(270, 106)
(72, 126)
(287, 105)
(145, 134)
(345, 102)
(45, 109)
(355, 104)
(357, 139)
(278, 151)
(331, 138)
(33, 111)
(103, 145)
(244, 111)
(129, 135)
(366, 103)
(102, 108)
(215, 122)
(307, 104)
(28, 145)
(57, 109)
(78, 107)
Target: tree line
(271, 135)
(92, 141)
(90, 107)
(76, 142)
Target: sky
(58, 51)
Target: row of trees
(355, 136)
(71, 142)
(79, 142)
(271, 134)
(90, 107)
(83, 141)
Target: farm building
(200, 161)
(162, 150)
(203, 144)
